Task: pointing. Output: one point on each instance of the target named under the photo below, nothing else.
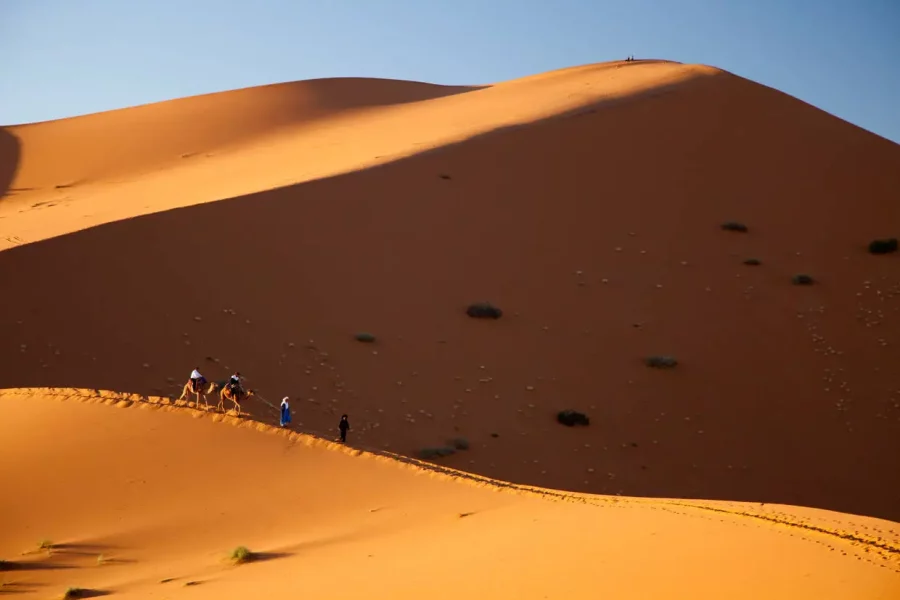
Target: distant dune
(260, 230)
(136, 140)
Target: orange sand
(586, 203)
(164, 498)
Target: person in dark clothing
(344, 426)
(234, 383)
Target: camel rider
(197, 380)
(235, 383)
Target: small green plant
(802, 279)
(734, 226)
(661, 362)
(439, 452)
(46, 545)
(366, 338)
(885, 246)
(241, 555)
(752, 262)
(101, 560)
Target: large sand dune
(259, 230)
(594, 223)
(206, 148)
(164, 498)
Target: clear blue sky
(66, 57)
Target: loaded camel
(225, 393)
(198, 392)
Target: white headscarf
(284, 401)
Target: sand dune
(275, 141)
(259, 230)
(164, 498)
(119, 143)
(597, 233)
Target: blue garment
(285, 414)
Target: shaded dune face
(598, 235)
(9, 159)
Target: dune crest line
(887, 549)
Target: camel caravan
(232, 390)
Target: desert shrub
(75, 592)
(571, 418)
(439, 452)
(734, 226)
(802, 279)
(661, 362)
(484, 310)
(241, 555)
(753, 262)
(459, 443)
(364, 337)
(883, 246)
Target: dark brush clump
(484, 310)
(883, 246)
(735, 226)
(440, 452)
(570, 418)
(752, 262)
(661, 362)
(802, 279)
(459, 443)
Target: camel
(226, 394)
(187, 390)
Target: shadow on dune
(265, 556)
(12, 566)
(19, 587)
(83, 548)
(10, 154)
(77, 593)
(275, 284)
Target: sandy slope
(210, 147)
(131, 141)
(164, 498)
(597, 232)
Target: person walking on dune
(285, 412)
(344, 425)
